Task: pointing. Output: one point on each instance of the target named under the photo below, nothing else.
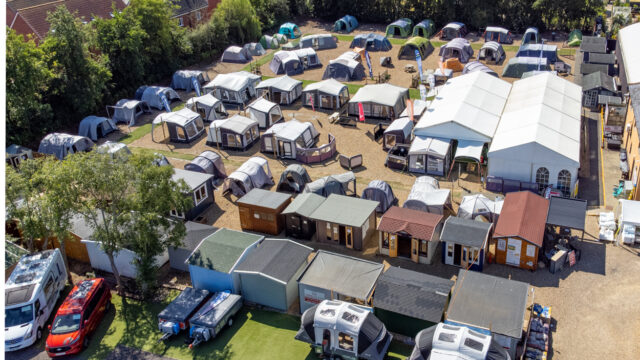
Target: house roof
(489, 302)
(343, 274)
(598, 80)
(221, 250)
(264, 198)
(193, 178)
(196, 232)
(187, 6)
(566, 212)
(412, 293)
(346, 210)
(418, 224)
(304, 204)
(279, 259)
(593, 44)
(465, 232)
(523, 214)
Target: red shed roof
(524, 214)
(418, 224)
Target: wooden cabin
(261, 211)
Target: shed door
(513, 252)
(415, 243)
(245, 217)
(349, 236)
(393, 245)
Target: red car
(77, 317)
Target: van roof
(26, 279)
(78, 296)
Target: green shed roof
(222, 249)
(304, 204)
(345, 210)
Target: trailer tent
(371, 42)
(492, 52)
(152, 95)
(419, 108)
(183, 125)
(128, 111)
(318, 42)
(517, 66)
(379, 191)
(344, 69)
(269, 42)
(235, 133)
(264, 112)
(254, 49)
(281, 90)
(531, 36)
(95, 127)
(326, 94)
(208, 162)
(399, 28)
(332, 184)
(426, 196)
(429, 155)
(458, 48)
(452, 30)
(345, 24)
(407, 50)
(290, 30)
(478, 66)
(384, 101)
(398, 132)
(236, 54)
(293, 179)
(424, 28)
(550, 52)
(253, 173)
(208, 106)
(60, 145)
(285, 138)
(235, 88)
(183, 79)
(498, 34)
(286, 62)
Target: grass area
(255, 334)
(567, 51)
(169, 154)
(136, 134)
(263, 60)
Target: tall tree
(240, 18)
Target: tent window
(180, 133)
(200, 194)
(254, 133)
(224, 94)
(542, 178)
(198, 15)
(420, 162)
(564, 181)
(385, 240)
(326, 101)
(199, 124)
(390, 140)
(231, 140)
(345, 341)
(191, 129)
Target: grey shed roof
(413, 294)
(81, 228)
(279, 259)
(221, 250)
(264, 198)
(343, 274)
(346, 210)
(598, 58)
(489, 302)
(304, 204)
(565, 212)
(593, 44)
(465, 231)
(193, 178)
(598, 79)
(196, 232)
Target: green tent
(269, 42)
(575, 38)
(424, 28)
(407, 51)
(399, 28)
(282, 39)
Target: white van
(31, 294)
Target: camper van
(31, 294)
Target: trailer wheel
(39, 334)
(230, 322)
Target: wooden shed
(296, 216)
(261, 210)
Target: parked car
(78, 316)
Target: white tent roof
(304, 52)
(180, 117)
(496, 29)
(291, 130)
(329, 86)
(427, 145)
(453, 25)
(283, 83)
(467, 107)
(542, 110)
(349, 55)
(206, 100)
(237, 123)
(419, 107)
(630, 51)
(403, 123)
(630, 211)
(262, 105)
(232, 81)
(469, 149)
(383, 94)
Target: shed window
(180, 22)
(385, 240)
(345, 341)
(564, 181)
(542, 178)
(200, 194)
(531, 250)
(424, 246)
(198, 15)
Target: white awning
(469, 149)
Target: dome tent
(254, 49)
(236, 54)
(153, 95)
(345, 24)
(491, 51)
(332, 184)
(458, 48)
(452, 30)
(371, 42)
(478, 204)
(379, 191)
(290, 30)
(128, 111)
(253, 173)
(183, 79)
(208, 162)
(424, 28)
(407, 51)
(399, 28)
(531, 36)
(575, 38)
(293, 179)
(95, 127)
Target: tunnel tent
(399, 28)
(183, 125)
(424, 28)
(208, 106)
(128, 111)
(113, 149)
(95, 127)
(458, 48)
(254, 49)
(332, 184)
(379, 191)
(344, 69)
(491, 51)
(253, 173)
(371, 42)
(452, 30)
(152, 95)
(478, 66)
(575, 38)
(293, 179)
(351, 55)
(318, 42)
(517, 66)
(531, 36)
(183, 79)
(265, 112)
(286, 62)
(550, 52)
(407, 50)
(236, 54)
(269, 42)
(290, 30)
(208, 162)
(498, 34)
(345, 24)
(281, 38)
(60, 145)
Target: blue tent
(550, 52)
(346, 24)
(290, 30)
(371, 42)
(531, 36)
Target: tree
(208, 39)
(28, 77)
(240, 18)
(271, 13)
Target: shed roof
(196, 232)
(279, 259)
(346, 210)
(304, 204)
(383, 94)
(489, 302)
(598, 79)
(264, 198)
(413, 294)
(566, 212)
(193, 178)
(523, 214)
(593, 44)
(221, 250)
(419, 224)
(343, 274)
(465, 232)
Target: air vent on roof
(23, 278)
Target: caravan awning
(469, 149)
(428, 145)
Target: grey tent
(371, 42)
(384, 101)
(457, 48)
(269, 42)
(236, 54)
(208, 162)
(286, 138)
(452, 30)
(531, 36)
(426, 196)
(345, 24)
(254, 49)
(208, 106)
(499, 34)
(265, 112)
(183, 125)
(429, 155)
(293, 179)
(478, 66)
(234, 88)
(326, 94)
(60, 145)
(286, 62)
(15, 154)
(281, 90)
(491, 51)
(95, 127)
(319, 41)
(281, 38)
(475, 205)
(398, 132)
(113, 149)
(332, 184)
(308, 58)
(253, 173)
(550, 52)
(468, 344)
(128, 111)
(153, 95)
(235, 133)
(379, 191)
(183, 79)
(343, 69)
(519, 65)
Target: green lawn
(136, 134)
(255, 334)
(263, 60)
(169, 154)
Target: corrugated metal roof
(594, 44)
(567, 212)
(598, 80)
(523, 214)
(418, 224)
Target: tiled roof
(524, 214)
(418, 224)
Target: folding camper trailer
(95, 127)
(426, 196)
(175, 317)
(265, 112)
(208, 106)
(234, 88)
(183, 125)
(213, 316)
(235, 133)
(281, 90)
(283, 139)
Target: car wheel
(230, 322)
(39, 334)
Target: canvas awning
(428, 145)
(469, 150)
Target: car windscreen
(63, 324)
(18, 315)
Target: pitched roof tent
(465, 231)
(221, 250)
(278, 259)
(329, 86)
(345, 210)
(419, 224)
(383, 94)
(523, 214)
